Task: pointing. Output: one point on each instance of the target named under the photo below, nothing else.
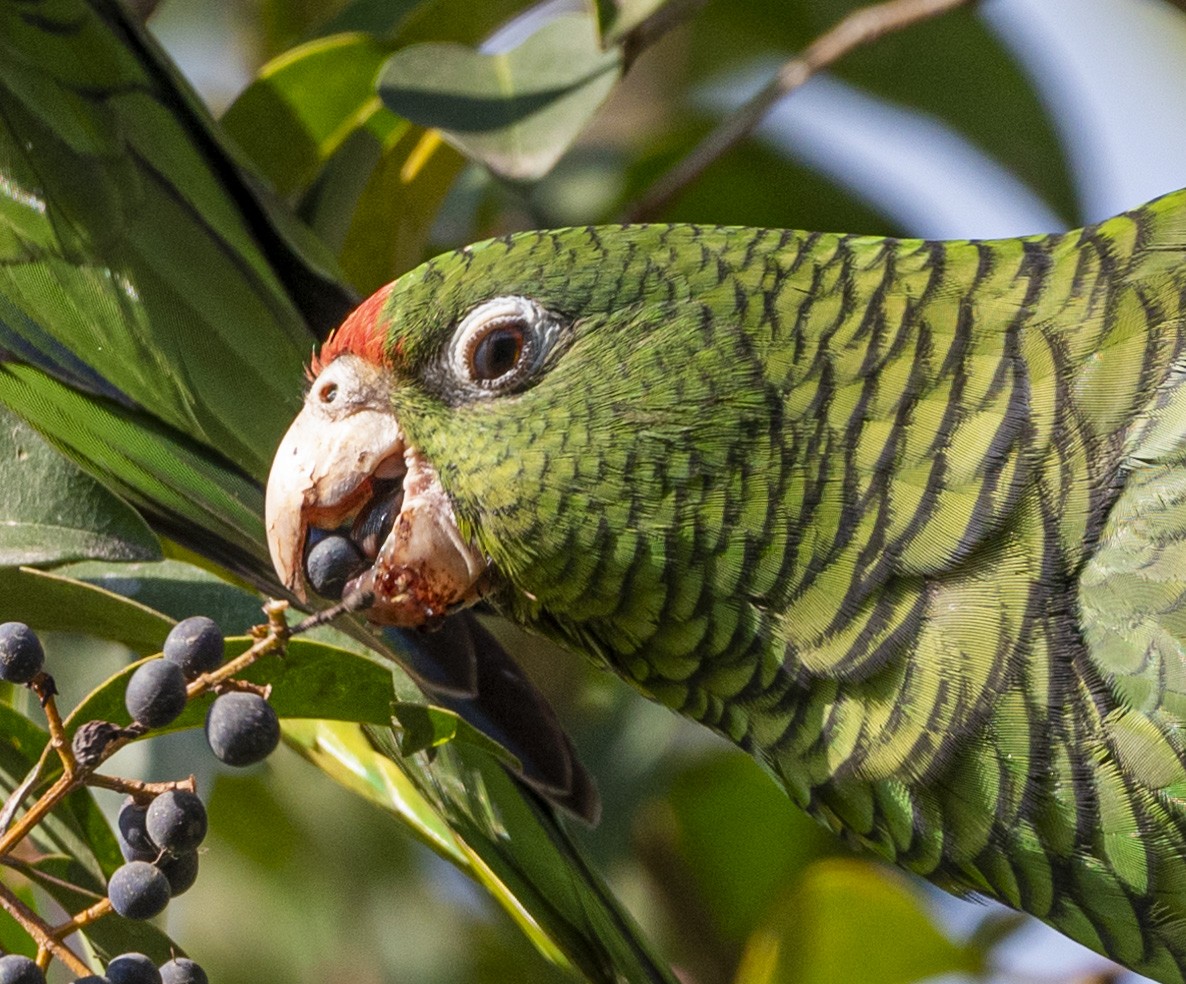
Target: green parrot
(905, 520)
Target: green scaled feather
(906, 520)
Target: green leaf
(740, 877)
(410, 21)
(51, 512)
(174, 589)
(842, 912)
(516, 112)
(313, 680)
(48, 601)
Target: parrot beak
(345, 466)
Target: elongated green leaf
(52, 512)
(517, 111)
(49, 601)
(312, 680)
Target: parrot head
(540, 420)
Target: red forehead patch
(360, 334)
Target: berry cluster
(160, 825)
(241, 726)
(127, 968)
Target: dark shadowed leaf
(516, 111)
(52, 512)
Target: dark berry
(181, 871)
(156, 693)
(242, 728)
(195, 644)
(332, 562)
(176, 821)
(133, 968)
(134, 842)
(182, 971)
(138, 890)
(21, 655)
(15, 969)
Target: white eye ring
(535, 328)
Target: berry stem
(43, 685)
(80, 919)
(41, 933)
(272, 640)
(142, 791)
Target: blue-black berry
(331, 562)
(195, 644)
(15, 969)
(176, 821)
(242, 728)
(132, 968)
(134, 842)
(181, 872)
(156, 693)
(138, 890)
(182, 971)
(21, 655)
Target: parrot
(905, 520)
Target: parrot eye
(499, 345)
(496, 353)
(328, 393)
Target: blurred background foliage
(397, 128)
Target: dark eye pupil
(498, 353)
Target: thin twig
(40, 931)
(859, 28)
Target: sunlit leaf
(516, 111)
(289, 121)
(51, 512)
